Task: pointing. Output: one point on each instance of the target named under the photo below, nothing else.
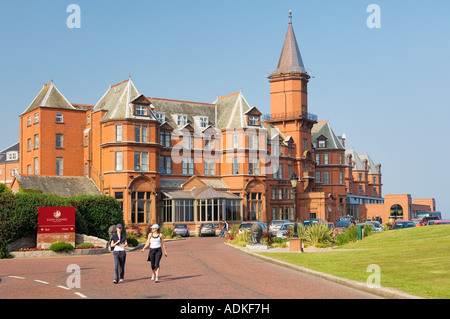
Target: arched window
(396, 212)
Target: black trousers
(154, 256)
(119, 264)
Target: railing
(278, 116)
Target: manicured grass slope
(414, 260)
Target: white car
(281, 233)
(276, 224)
(376, 227)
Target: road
(196, 268)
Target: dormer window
(12, 156)
(203, 121)
(322, 144)
(161, 117)
(181, 120)
(253, 120)
(141, 110)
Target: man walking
(224, 228)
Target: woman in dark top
(119, 242)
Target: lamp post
(294, 181)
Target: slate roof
(193, 111)
(359, 162)
(50, 96)
(13, 148)
(62, 186)
(290, 59)
(323, 128)
(203, 192)
(117, 101)
(372, 166)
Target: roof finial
(290, 16)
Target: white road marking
(80, 294)
(17, 277)
(42, 282)
(63, 287)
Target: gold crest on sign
(57, 214)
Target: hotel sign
(56, 220)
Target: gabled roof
(13, 148)
(50, 96)
(117, 101)
(231, 110)
(323, 128)
(290, 58)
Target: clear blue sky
(388, 89)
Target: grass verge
(414, 260)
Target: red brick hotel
(170, 161)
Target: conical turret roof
(290, 58)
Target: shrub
(350, 235)
(61, 246)
(318, 234)
(342, 239)
(268, 237)
(168, 232)
(132, 242)
(368, 230)
(241, 239)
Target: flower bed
(43, 253)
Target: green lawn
(414, 260)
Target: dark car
(248, 225)
(310, 222)
(342, 225)
(399, 224)
(181, 229)
(207, 229)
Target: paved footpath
(196, 268)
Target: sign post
(55, 224)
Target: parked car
(248, 225)
(441, 222)
(310, 222)
(181, 229)
(417, 221)
(346, 218)
(275, 225)
(342, 225)
(426, 219)
(398, 224)
(207, 229)
(281, 233)
(376, 226)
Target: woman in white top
(156, 241)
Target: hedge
(94, 214)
